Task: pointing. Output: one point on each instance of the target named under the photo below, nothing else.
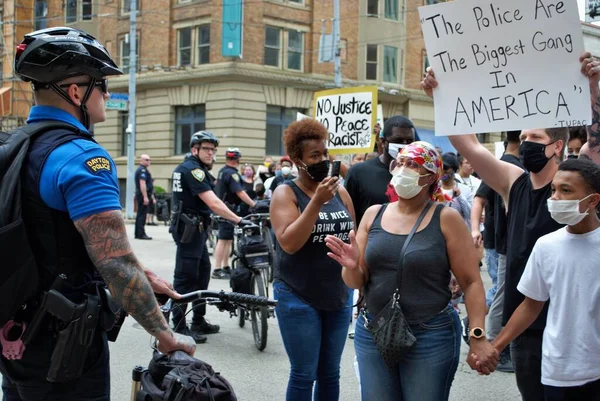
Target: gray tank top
(425, 275)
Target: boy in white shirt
(564, 269)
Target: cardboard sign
(506, 65)
(350, 116)
(380, 117)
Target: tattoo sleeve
(109, 249)
(594, 129)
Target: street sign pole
(131, 126)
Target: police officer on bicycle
(74, 223)
(229, 190)
(193, 200)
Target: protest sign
(300, 116)
(380, 116)
(506, 65)
(349, 116)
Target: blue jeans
(314, 341)
(491, 260)
(425, 373)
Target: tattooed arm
(590, 67)
(107, 245)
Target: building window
(373, 8)
(371, 73)
(126, 6)
(390, 64)
(124, 53)
(296, 1)
(391, 9)
(188, 120)
(191, 38)
(71, 12)
(76, 10)
(86, 10)
(124, 122)
(425, 61)
(41, 12)
(295, 49)
(430, 2)
(401, 64)
(278, 119)
(272, 46)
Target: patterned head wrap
(425, 155)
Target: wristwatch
(477, 333)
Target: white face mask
(566, 211)
(394, 149)
(285, 171)
(406, 183)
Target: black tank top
(310, 273)
(425, 274)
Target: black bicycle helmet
(233, 153)
(203, 136)
(48, 56)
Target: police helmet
(53, 54)
(203, 136)
(233, 153)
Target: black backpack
(19, 276)
(183, 378)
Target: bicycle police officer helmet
(48, 56)
(203, 136)
(233, 154)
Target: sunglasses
(102, 83)
(407, 162)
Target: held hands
(346, 255)
(483, 357)
(327, 189)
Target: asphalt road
(255, 375)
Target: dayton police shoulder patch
(98, 164)
(198, 174)
(236, 177)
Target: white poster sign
(300, 117)
(380, 116)
(349, 114)
(506, 65)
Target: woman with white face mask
(441, 245)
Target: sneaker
(205, 328)
(222, 274)
(198, 337)
(465, 329)
(505, 364)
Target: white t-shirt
(565, 268)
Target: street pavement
(256, 375)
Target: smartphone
(335, 168)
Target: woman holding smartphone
(314, 303)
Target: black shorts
(225, 230)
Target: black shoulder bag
(390, 330)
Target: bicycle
(224, 301)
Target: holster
(191, 225)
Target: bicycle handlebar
(234, 297)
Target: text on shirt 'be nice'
(339, 229)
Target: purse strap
(410, 235)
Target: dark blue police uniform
(192, 266)
(228, 184)
(68, 177)
(142, 173)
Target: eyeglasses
(406, 162)
(208, 149)
(102, 83)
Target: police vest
(57, 245)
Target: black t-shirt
(489, 232)
(277, 181)
(190, 179)
(367, 184)
(528, 220)
(244, 209)
(142, 173)
(229, 183)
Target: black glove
(243, 223)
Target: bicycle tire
(269, 241)
(259, 328)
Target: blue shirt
(78, 177)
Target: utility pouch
(190, 227)
(73, 342)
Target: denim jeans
(491, 261)
(314, 341)
(425, 373)
(589, 392)
(494, 317)
(526, 354)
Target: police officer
(193, 200)
(231, 191)
(71, 208)
(144, 190)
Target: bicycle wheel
(259, 314)
(267, 236)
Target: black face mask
(533, 156)
(318, 171)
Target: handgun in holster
(190, 227)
